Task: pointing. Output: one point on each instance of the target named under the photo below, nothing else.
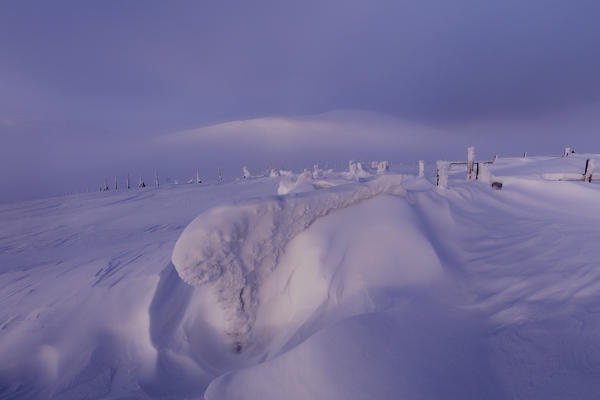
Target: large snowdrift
(234, 248)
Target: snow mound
(232, 249)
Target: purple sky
(86, 88)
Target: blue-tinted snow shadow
(176, 375)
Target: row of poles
(141, 184)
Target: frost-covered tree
(317, 172)
(382, 167)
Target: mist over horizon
(90, 92)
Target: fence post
(589, 170)
(470, 163)
(525, 155)
(421, 168)
(442, 174)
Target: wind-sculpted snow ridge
(232, 248)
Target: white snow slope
(382, 287)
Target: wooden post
(470, 163)
(525, 155)
(421, 168)
(589, 170)
(442, 174)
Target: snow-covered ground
(321, 285)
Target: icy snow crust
(363, 287)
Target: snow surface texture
(466, 292)
(234, 248)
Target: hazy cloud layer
(82, 78)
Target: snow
(334, 285)
(233, 248)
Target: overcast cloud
(87, 88)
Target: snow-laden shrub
(383, 166)
(356, 171)
(317, 172)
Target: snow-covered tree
(382, 167)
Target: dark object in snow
(497, 185)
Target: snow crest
(231, 249)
